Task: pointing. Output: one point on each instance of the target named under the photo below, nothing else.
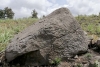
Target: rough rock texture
(57, 35)
(98, 43)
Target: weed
(96, 64)
(88, 56)
(56, 61)
(79, 65)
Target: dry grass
(9, 27)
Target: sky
(23, 8)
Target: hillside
(90, 23)
(9, 27)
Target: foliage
(43, 16)
(56, 61)
(6, 13)
(10, 27)
(79, 65)
(96, 64)
(9, 13)
(34, 14)
(2, 15)
(88, 56)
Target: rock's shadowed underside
(57, 35)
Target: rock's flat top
(57, 35)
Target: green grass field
(9, 27)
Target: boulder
(58, 35)
(98, 43)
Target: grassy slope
(90, 23)
(8, 28)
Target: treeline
(6, 13)
(9, 13)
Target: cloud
(23, 8)
(83, 6)
(53, 1)
(4, 3)
(22, 12)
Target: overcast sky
(23, 8)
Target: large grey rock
(57, 35)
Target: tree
(43, 16)
(2, 15)
(34, 14)
(99, 13)
(9, 13)
(6, 13)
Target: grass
(97, 64)
(56, 61)
(79, 65)
(90, 23)
(88, 56)
(10, 27)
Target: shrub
(88, 56)
(56, 61)
(96, 64)
(79, 65)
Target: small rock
(86, 65)
(91, 64)
(64, 64)
(84, 62)
(76, 57)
